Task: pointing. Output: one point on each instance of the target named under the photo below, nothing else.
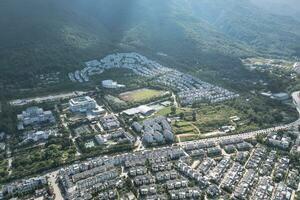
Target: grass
(140, 95)
(183, 127)
(185, 138)
(167, 111)
(210, 118)
(3, 166)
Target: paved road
(53, 182)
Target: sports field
(140, 95)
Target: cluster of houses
(102, 174)
(182, 173)
(33, 116)
(154, 131)
(189, 88)
(243, 189)
(139, 64)
(23, 187)
(283, 142)
(262, 175)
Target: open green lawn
(167, 110)
(211, 118)
(255, 113)
(183, 127)
(141, 95)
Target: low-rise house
(232, 177)
(256, 158)
(148, 190)
(244, 187)
(206, 165)
(214, 151)
(144, 180)
(218, 172)
(137, 171)
(268, 164)
(229, 148)
(264, 188)
(282, 192)
(244, 146)
(213, 191)
(281, 168)
(176, 184)
(166, 175)
(185, 193)
(293, 179)
(282, 142)
(24, 186)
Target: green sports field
(140, 95)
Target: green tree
(173, 110)
(194, 115)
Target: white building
(92, 63)
(85, 105)
(143, 109)
(110, 84)
(37, 136)
(281, 96)
(82, 104)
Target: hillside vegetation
(58, 35)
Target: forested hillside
(58, 35)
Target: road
(9, 159)
(175, 100)
(53, 182)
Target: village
(189, 88)
(155, 146)
(227, 168)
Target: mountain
(58, 35)
(280, 7)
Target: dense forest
(56, 35)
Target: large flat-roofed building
(110, 84)
(82, 104)
(281, 96)
(34, 115)
(86, 105)
(143, 109)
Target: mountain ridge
(58, 36)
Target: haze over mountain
(281, 7)
(49, 35)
